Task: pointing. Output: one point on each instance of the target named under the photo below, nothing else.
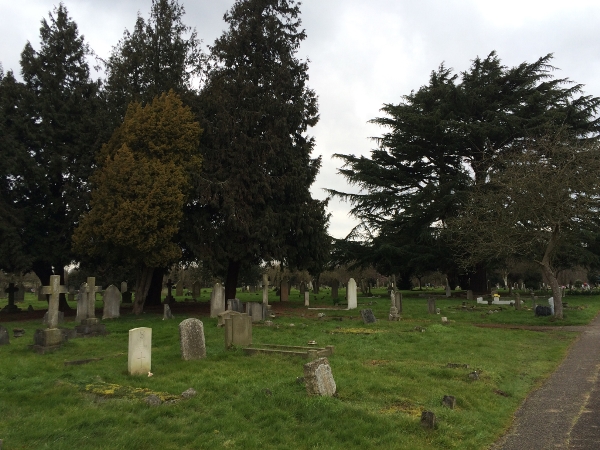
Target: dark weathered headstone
(112, 303)
(318, 378)
(367, 316)
(4, 337)
(167, 314)
(518, 302)
(543, 311)
(431, 305)
(235, 304)
(284, 291)
(335, 285)
(428, 419)
(196, 290)
(449, 401)
(11, 290)
(191, 339)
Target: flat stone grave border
(290, 350)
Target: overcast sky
(363, 53)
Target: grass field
(386, 374)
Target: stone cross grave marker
(265, 281)
(91, 290)
(139, 358)
(367, 316)
(82, 303)
(112, 303)
(54, 290)
(318, 378)
(217, 300)
(179, 288)
(351, 294)
(191, 339)
(284, 291)
(11, 290)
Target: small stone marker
(469, 295)
(307, 298)
(351, 294)
(167, 314)
(394, 316)
(140, 351)
(431, 305)
(318, 378)
(444, 320)
(191, 339)
(284, 291)
(4, 337)
(368, 316)
(217, 300)
(265, 280)
(518, 302)
(428, 419)
(449, 401)
(112, 303)
(54, 290)
(196, 290)
(238, 330)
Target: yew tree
(140, 188)
(253, 200)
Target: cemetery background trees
(540, 200)
(442, 139)
(51, 127)
(253, 199)
(140, 188)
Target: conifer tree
(253, 201)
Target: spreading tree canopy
(252, 199)
(140, 188)
(50, 130)
(440, 141)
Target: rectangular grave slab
(226, 315)
(288, 350)
(139, 358)
(318, 378)
(238, 331)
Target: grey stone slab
(112, 303)
(367, 316)
(191, 339)
(319, 378)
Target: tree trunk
(233, 270)
(479, 280)
(142, 285)
(316, 284)
(153, 298)
(550, 276)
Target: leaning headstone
(112, 303)
(284, 291)
(335, 285)
(191, 339)
(238, 330)
(431, 305)
(217, 300)
(367, 316)
(167, 314)
(123, 287)
(318, 378)
(4, 337)
(428, 419)
(265, 298)
(351, 294)
(179, 289)
(82, 304)
(307, 298)
(196, 290)
(139, 357)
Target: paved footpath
(564, 413)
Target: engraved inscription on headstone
(140, 351)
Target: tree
(537, 201)
(51, 130)
(140, 188)
(252, 200)
(158, 55)
(442, 141)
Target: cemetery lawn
(386, 373)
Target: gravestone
(4, 337)
(20, 294)
(518, 302)
(61, 318)
(448, 291)
(551, 304)
(257, 311)
(126, 297)
(542, 311)
(235, 305)
(265, 298)
(112, 303)
(40, 295)
(179, 289)
(90, 291)
(191, 339)
(318, 378)
(431, 305)
(399, 302)
(335, 285)
(82, 303)
(307, 299)
(226, 315)
(351, 294)
(449, 401)
(217, 300)
(11, 307)
(51, 338)
(54, 290)
(394, 316)
(428, 419)
(196, 290)
(167, 314)
(284, 291)
(169, 299)
(123, 287)
(139, 357)
(367, 316)
(238, 330)
(469, 295)
(302, 289)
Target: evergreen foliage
(253, 199)
(441, 140)
(140, 189)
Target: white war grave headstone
(351, 294)
(307, 298)
(139, 358)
